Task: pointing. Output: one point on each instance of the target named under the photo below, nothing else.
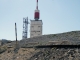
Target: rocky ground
(41, 54)
(21, 54)
(57, 54)
(8, 51)
(73, 37)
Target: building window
(38, 26)
(32, 26)
(38, 34)
(38, 31)
(31, 34)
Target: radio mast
(25, 28)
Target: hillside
(57, 54)
(72, 37)
(8, 52)
(21, 54)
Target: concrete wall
(35, 28)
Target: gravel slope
(73, 37)
(57, 54)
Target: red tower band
(36, 14)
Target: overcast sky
(58, 16)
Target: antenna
(37, 5)
(25, 28)
(36, 14)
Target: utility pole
(16, 33)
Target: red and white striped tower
(36, 14)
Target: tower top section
(37, 5)
(36, 13)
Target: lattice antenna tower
(25, 28)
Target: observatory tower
(36, 24)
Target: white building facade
(35, 28)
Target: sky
(58, 16)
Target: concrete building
(36, 25)
(35, 28)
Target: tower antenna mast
(37, 13)
(25, 28)
(37, 5)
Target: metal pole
(16, 33)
